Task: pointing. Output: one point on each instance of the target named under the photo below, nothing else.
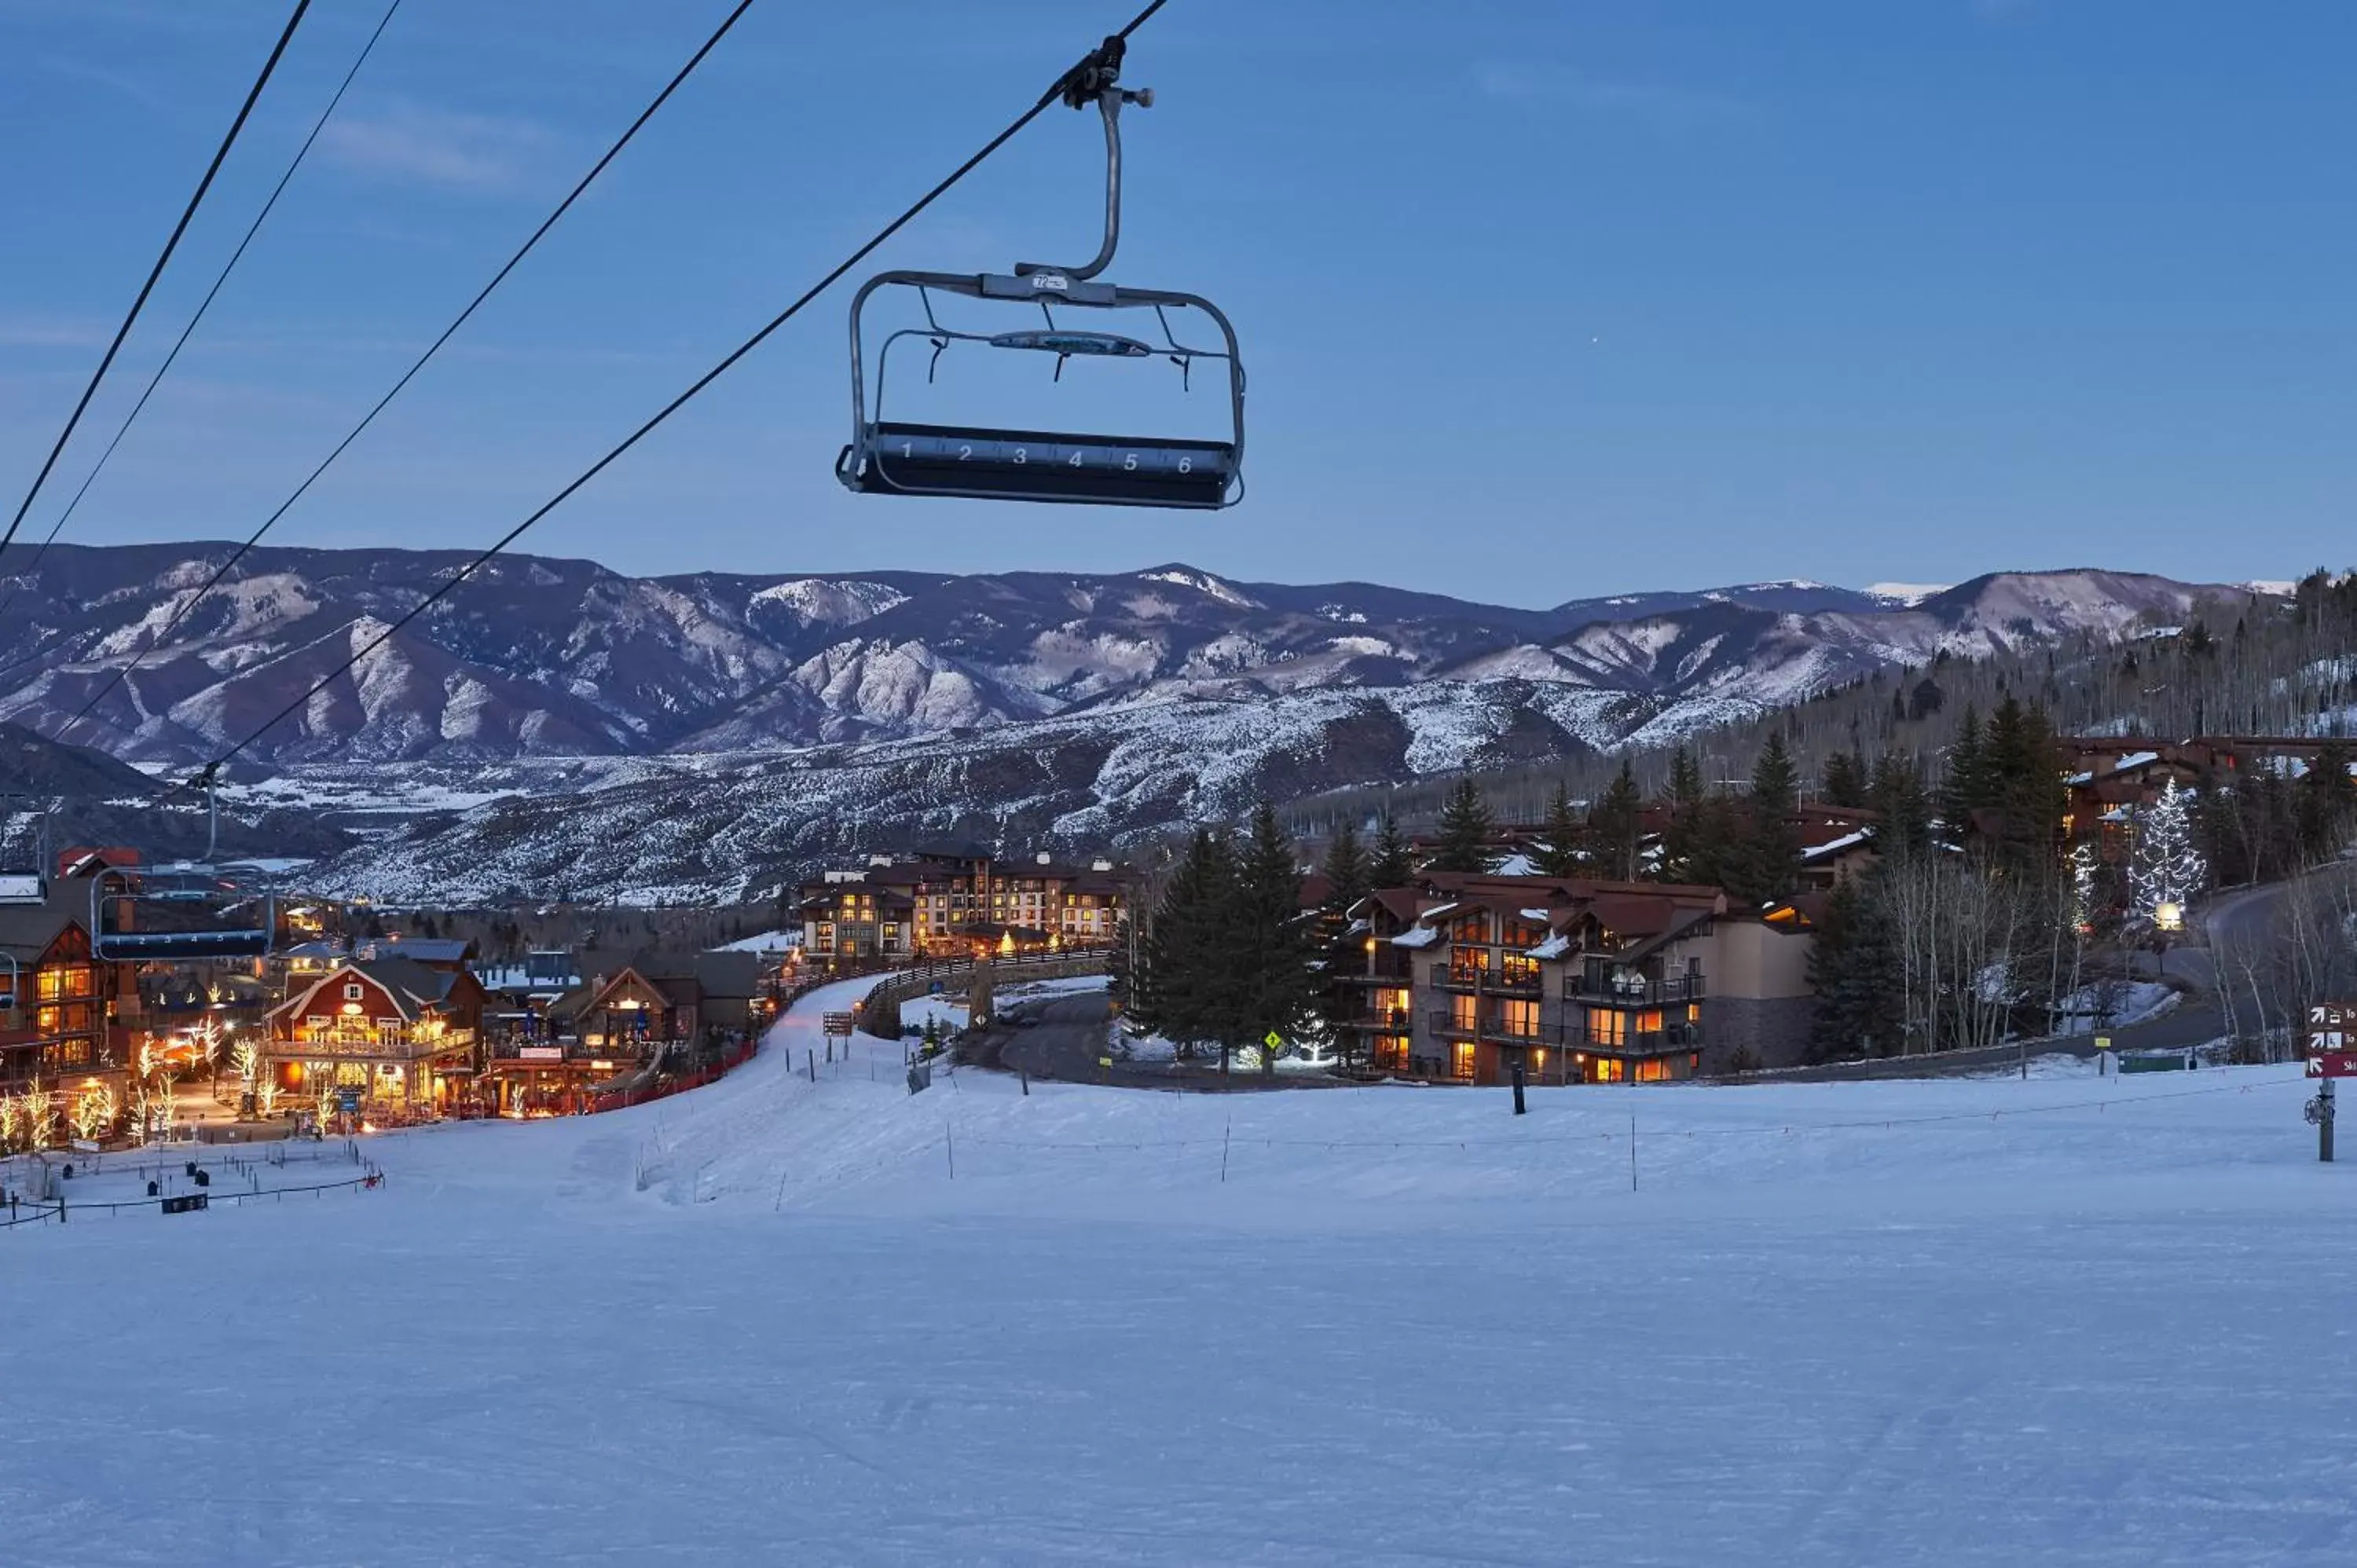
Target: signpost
(835, 1026)
(2332, 1053)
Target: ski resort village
(698, 870)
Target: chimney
(1046, 859)
(1101, 865)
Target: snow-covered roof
(768, 941)
(1421, 937)
(1535, 914)
(1516, 865)
(1438, 911)
(1555, 946)
(1835, 846)
(21, 889)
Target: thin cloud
(446, 147)
(1664, 105)
(114, 81)
(50, 332)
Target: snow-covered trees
(2167, 869)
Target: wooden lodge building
(398, 1033)
(625, 1021)
(1467, 976)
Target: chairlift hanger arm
(1097, 79)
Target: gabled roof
(413, 989)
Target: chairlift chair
(898, 457)
(188, 912)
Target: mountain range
(715, 733)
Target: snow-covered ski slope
(2074, 1321)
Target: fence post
(949, 1137)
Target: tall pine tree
(1964, 788)
(1392, 866)
(1767, 866)
(1466, 828)
(1276, 988)
(1898, 793)
(1854, 969)
(1184, 984)
(1561, 837)
(1616, 827)
(1845, 778)
(1346, 870)
(1683, 801)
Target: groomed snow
(2068, 1322)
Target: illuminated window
(1461, 1012)
(1607, 1069)
(1519, 1020)
(1654, 1071)
(1605, 1027)
(1463, 1066)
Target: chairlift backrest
(178, 915)
(988, 462)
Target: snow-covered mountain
(769, 712)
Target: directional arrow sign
(2341, 1064)
(1273, 1041)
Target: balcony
(1449, 1026)
(1382, 1021)
(397, 1047)
(1667, 1041)
(1632, 990)
(1514, 980)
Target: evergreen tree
(1346, 869)
(1560, 854)
(2167, 869)
(1276, 988)
(1392, 866)
(2021, 783)
(1465, 827)
(1616, 827)
(2327, 802)
(1766, 865)
(1964, 788)
(1854, 969)
(1712, 842)
(1184, 986)
(1898, 793)
(1845, 778)
(1684, 799)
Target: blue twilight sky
(1539, 299)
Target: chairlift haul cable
(125, 672)
(834, 275)
(220, 156)
(206, 304)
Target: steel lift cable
(1080, 72)
(186, 332)
(220, 156)
(125, 672)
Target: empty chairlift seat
(1044, 466)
